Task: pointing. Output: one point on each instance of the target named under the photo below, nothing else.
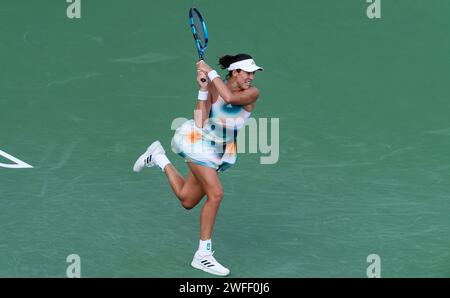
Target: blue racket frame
(200, 47)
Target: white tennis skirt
(202, 147)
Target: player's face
(244, 79)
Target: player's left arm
(242, 98)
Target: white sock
(205, 246)
(161, 160)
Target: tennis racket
(198, 28)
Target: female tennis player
(208, 145)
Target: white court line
(19, 164)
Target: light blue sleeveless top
(225, 120)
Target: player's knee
(185, 202)
(215, 195)
(187, 205)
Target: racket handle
(202, 79)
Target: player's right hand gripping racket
(199, 32)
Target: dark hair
(227, 60)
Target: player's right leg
(188, 190)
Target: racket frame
(200, 47)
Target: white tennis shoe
(146, 159)
(207, 263)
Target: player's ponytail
(225, 61)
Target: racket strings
(199, 29)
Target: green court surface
(364, 138)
